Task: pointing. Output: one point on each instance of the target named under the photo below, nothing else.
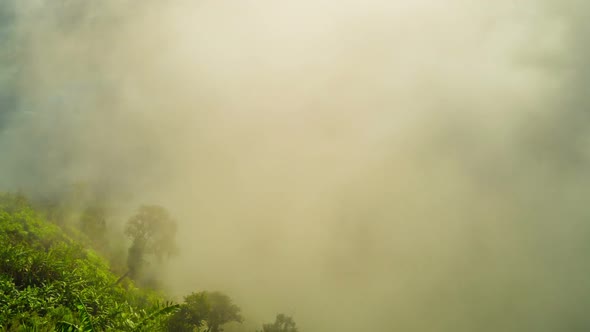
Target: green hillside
(51, 281)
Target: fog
(359, 165)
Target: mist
(361, 166)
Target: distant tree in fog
(210, 310)
(153, 232)
(283, 323)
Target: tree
(283, 323)
(152, 231)
(210, 309)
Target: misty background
(359, 165)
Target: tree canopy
(212, 308)
(283, 323)
(152, 232)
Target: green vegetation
(152, 232)
(56, 280)
(205, 309)
(282, 323)
(48, 280)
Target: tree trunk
(122, 277)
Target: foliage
(152, 232)
(212, 309)
(49, 281)
(283, 323)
